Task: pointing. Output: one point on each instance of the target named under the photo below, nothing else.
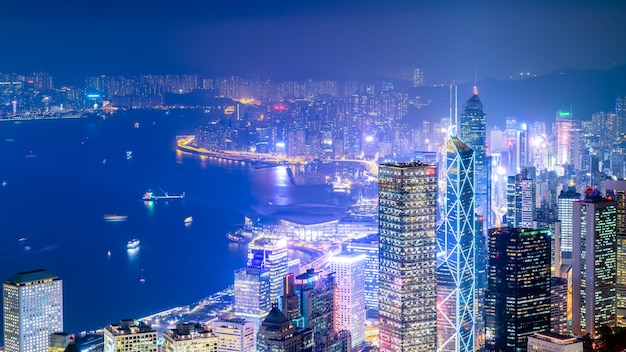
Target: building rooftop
(31, 276)
(129, 326)
(556, 338)
(406, 164)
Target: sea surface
(60, 178)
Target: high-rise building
(407, 194)
(517, 303)
(349, 269)
(368, 245)
(564, 213)
(521, 201)
(317, 304)
(551, 342)
(278, 334)
(33, 309)
(594, 264)
(563, 138)
(189, 337)
(474, 134)
(289, 301)
(558, 305)
(130, 336)
(272, 255)
(616, 190)
(252, 294)
(234, 335)
(456, 253)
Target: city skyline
(329, 38)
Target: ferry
(132, 244)
(188, 220)
(114, 217)
(149, 196)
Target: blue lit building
(456, 252)
(368, 245)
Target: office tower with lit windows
(551, 342)
(594, 264)
(520, 198)
(316, 294)
(33, 309)
(189, 337)
(234, 335)
(565, 206)
(368, 245)
(456, 253)
(407, 196)
(130, 336)
(473, 132)
(252, 294)
(278, 334)
(289, 301)
(617, 191)
(564, 126)
(517, 302)
(272, 255)
(349, 269)
(558, 305)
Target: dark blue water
(62, 177)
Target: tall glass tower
(474, 134)
(33, 309)
(455, 253)
(407, 196)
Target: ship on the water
(132, 244)
(149, 196)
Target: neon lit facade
(456, 253)
(407, 195)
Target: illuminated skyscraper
(456, 253)
(563, 138)
(521, 201)
(517, 302)
(130, 336)
(272, 255)
(348, 270)
(594, 264)
(558, 303)
(189, 337)
(277, 334)
(564, 213)
(234, 335)
(33, 309)
(407, 195)
(617, 191)
(474, 134)
(317, 304)
(252, 294)
(369, 246)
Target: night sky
(324, 39)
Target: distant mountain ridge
(584, 92)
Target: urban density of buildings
(490, 238)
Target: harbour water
(71, 199)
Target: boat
(132, 244)
(238, 236)
(114, 217)
(142, 280)
(109, 253)
(188, 220)
(149, 196)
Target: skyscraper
(317, 304)
(617, 191)
(348, 270)
(272, 255)
(130, 336)
(594, 264)
(189, 337)
(474, 134)
(521, 201)
(33, 309)
(234, 335)
(252, 294)
(559, 304)
(407, 194)
(368, 245)
(517, 302)
(277, 334)
(456, 253)
(564, 212)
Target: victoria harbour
(72, 200)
